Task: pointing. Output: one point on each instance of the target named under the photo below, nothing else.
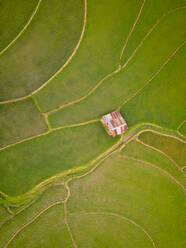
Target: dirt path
(50, 131)
(156, 167)
(118, 216)
(24, 28)
(159, 151)
(132, 29)
(149, 32)
(155, 74)
(63, 66)
(31, 221)
(163, 134)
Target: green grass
(12, 24)
(162, 101)
(27, 164)
(47, 231)
(136, 191)
(119, 87)
(18, 121)
(49, 197)
(146, 21)
(139, 151)
(93, 231)
(183, 129)
(43, 48)
(170, 146)
(108, 25)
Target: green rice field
(64, 181)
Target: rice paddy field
(64, 182)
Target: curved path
(24, 28)
(121, 217)
(156, 167)
(60, 69)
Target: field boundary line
(154, 75)
(159, 151)
(158, 21)
(178, 129)
(60, 69)
(156, 167)
(50, 131)
(163, 134)
(66, 212)
(31, 221)
(85, 96)
(9, 218)
(132, 29)
(115, 71)
(118, 216)
(23, 29)
(181, 124)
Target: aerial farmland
(92, 124)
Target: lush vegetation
(43, 49)
(171, 146)
(14, 16)
(27, 164)
(18, 121)
(64, 182)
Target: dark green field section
(105, 230)
(158, 10)
(49, 226)
(183, 129)
(166, 88)
(141, 152)
(162, 102)
(108, 25)
(12, 24)
(18, 121)
(136, 191)
(27, 164)
(43, 48)
(170, 146)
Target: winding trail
(156, 167)
(24, 28)
(118, 216)
(65, 213)
(132, 29)
(62, 67)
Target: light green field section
(110, 95)
(139, 151)
(18, 121)
(162, 101)
(48, 199)
(170, 146)
(108, 25)
(183, 129)
(27, 164)
(157, 10)
(106, 231)
(11, 24)
(136, 191)
(48, 231)
(43, 48)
